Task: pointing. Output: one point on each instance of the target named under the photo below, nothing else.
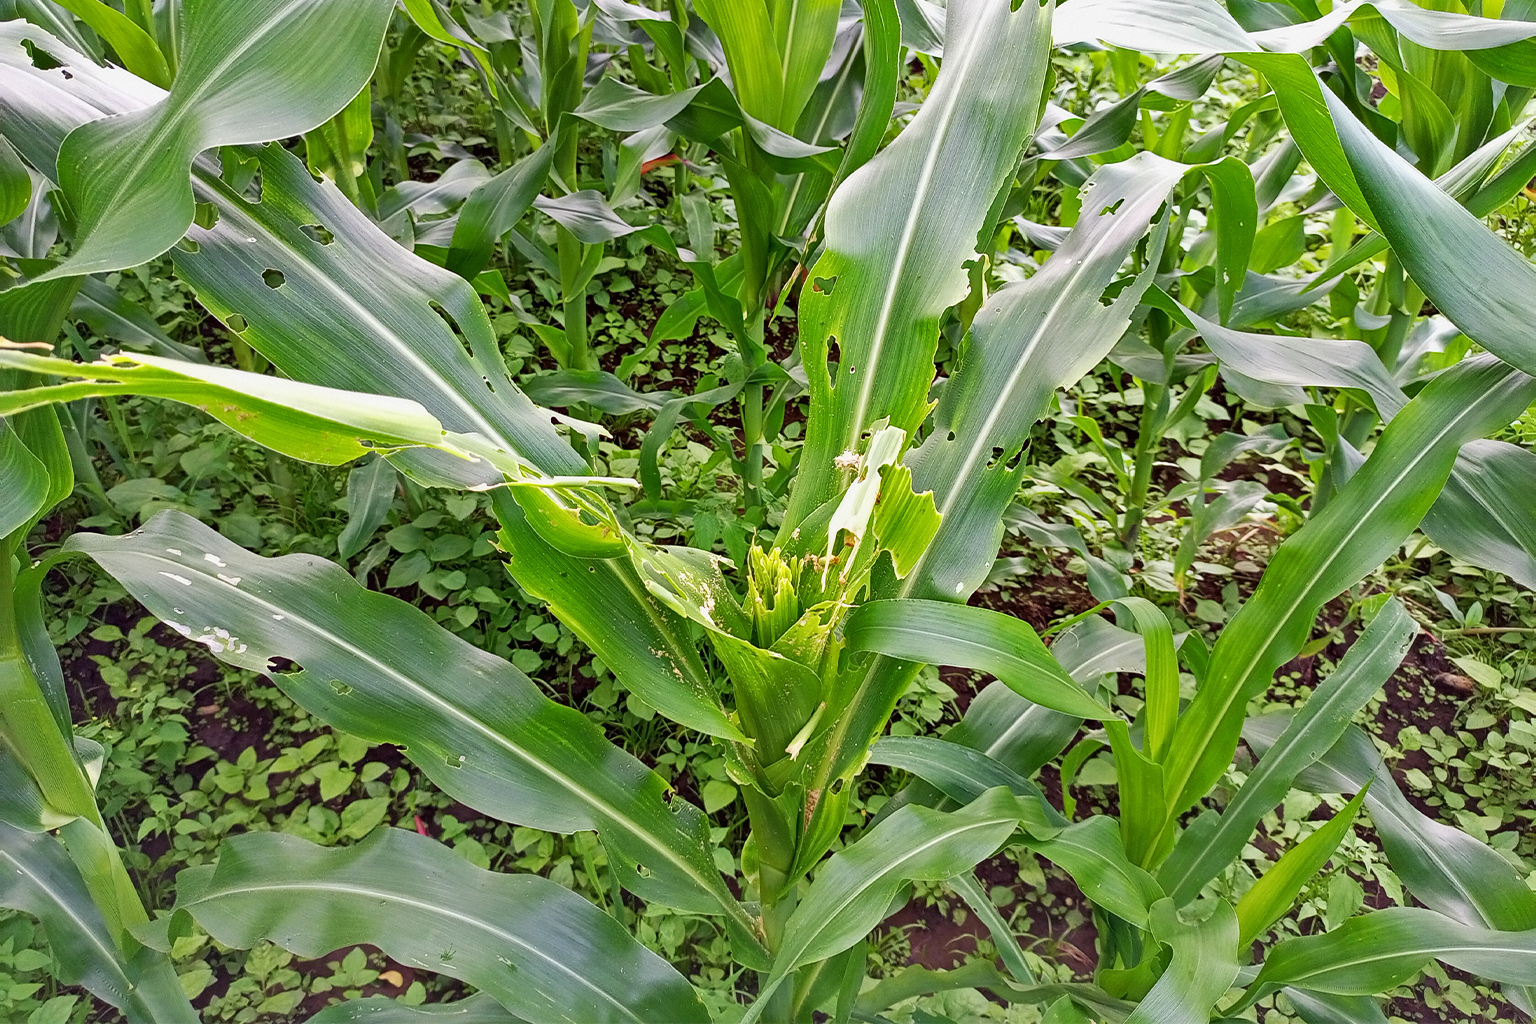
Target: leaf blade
(541, 950)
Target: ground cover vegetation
(772, 510)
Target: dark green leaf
(1381, 950)
(23, 482)
(543, 952)
(959, 772)
(370, 492)
(15, 184)
(248, 72)
(493, 209)
(898, 233)
(853, 890)
(1382, 503)
(373, 666)
(940, 633)
(1214, 841)
(1090, 851)
(1203, 966)
(37, 877)
(477, 1009)
(1483, 515)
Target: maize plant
(125, 136)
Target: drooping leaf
(959, 772)
(542, 951)
(39, 107)
(1025, 736)
(1028, 340)
(309, 295)
(493, 209)
(941, 633)
(1379, 951)
(1483, 515)
(370, 491)
(310, 281)
(1322, 1008)
(605, 602)
(1091, 852)
(374, 666)
(248, 72)
(1469, 273)
(600, 388)
(1164, 26)
(308, 422)
(23, 482)
(1203, 966)
(1203, 26)
(585, 215)
(965, 886)
(15, 184)
(110, 315)
(331, 300)
(1443, 867)
(477, 1009)
(1311, 362)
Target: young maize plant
(884, 524)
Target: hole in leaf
(489, 386)
(205, 216)
(951, 436)
(340, 688)
(453, 326)
(824, 284)
(273, 278)
(41, 59)
(1113, 207)
(997, 455)
(834, 357)
(237, 168)
(1112, 291)
(187, 245)
(319, 233)
(237, 323)
(252, 191)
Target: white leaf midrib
(452, 711)
(437, 909)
